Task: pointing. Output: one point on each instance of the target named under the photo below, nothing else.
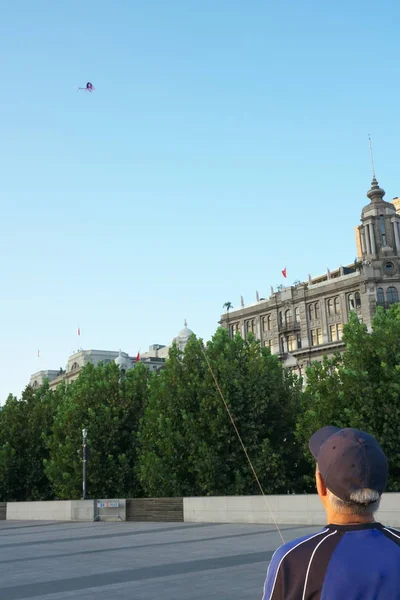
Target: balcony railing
(289, 325)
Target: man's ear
(321, 487)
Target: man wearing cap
(353, 557)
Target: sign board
(107, 504)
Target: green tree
(23, 426)
(360, 388)
(188, 444)
(110, 407)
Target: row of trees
(169, 434)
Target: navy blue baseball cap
(349, 460)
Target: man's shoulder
(306, 540)
(391, 533)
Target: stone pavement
(136, 561)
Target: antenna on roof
(372, 156)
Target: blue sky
(225, 140)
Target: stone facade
(302, 323)
(154, 359)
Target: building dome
(122, 361)
(183, 336)
(375, 194)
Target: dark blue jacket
(341, 562)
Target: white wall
(54, 510)
(82, 510)
(286, 509)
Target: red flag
(284, 272)
(138, 357)
(79, 331)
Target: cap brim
(320, 437)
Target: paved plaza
(136, 561)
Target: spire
(185, 323)
(376, 193)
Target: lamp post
(84, 457)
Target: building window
(75, 367)
(388, 267)
(392, 295)
(317, 310)
(269, 344)
(234, 329)
(292, 343)
(297, 315)
(351, 302)
(330, 307)
(335, 332)
(282, 345)
(266, 321)
(287, 316)
(281, 317)
(316, 337)
(250, 326)
(357, 298)
(337, 305)
(311, 312)
(382, 229)
(380, 296)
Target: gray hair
(362, 503)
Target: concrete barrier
(53, 510)
(299, 509)
(286, 509)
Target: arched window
(75, 366)
(380, 296)
(266, 321)
(392, 295)
(330, 307)
(317, 310)
(287, 316)
(351, 301)
(357, 299)
(311, 312)
(234, 329)
(297, 315)
(250, 326)
(281, 317)
(337, 305)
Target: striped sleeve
(274, 587)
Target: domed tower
(123, 362)
(380, 227)
(183, 337)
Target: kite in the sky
(88, 88)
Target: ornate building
(154, 359)
(304, 322)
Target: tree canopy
(169, 434)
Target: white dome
(185, 334)
(122, 361)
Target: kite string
(241, 442)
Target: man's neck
(334, 518)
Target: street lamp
(84, 458)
